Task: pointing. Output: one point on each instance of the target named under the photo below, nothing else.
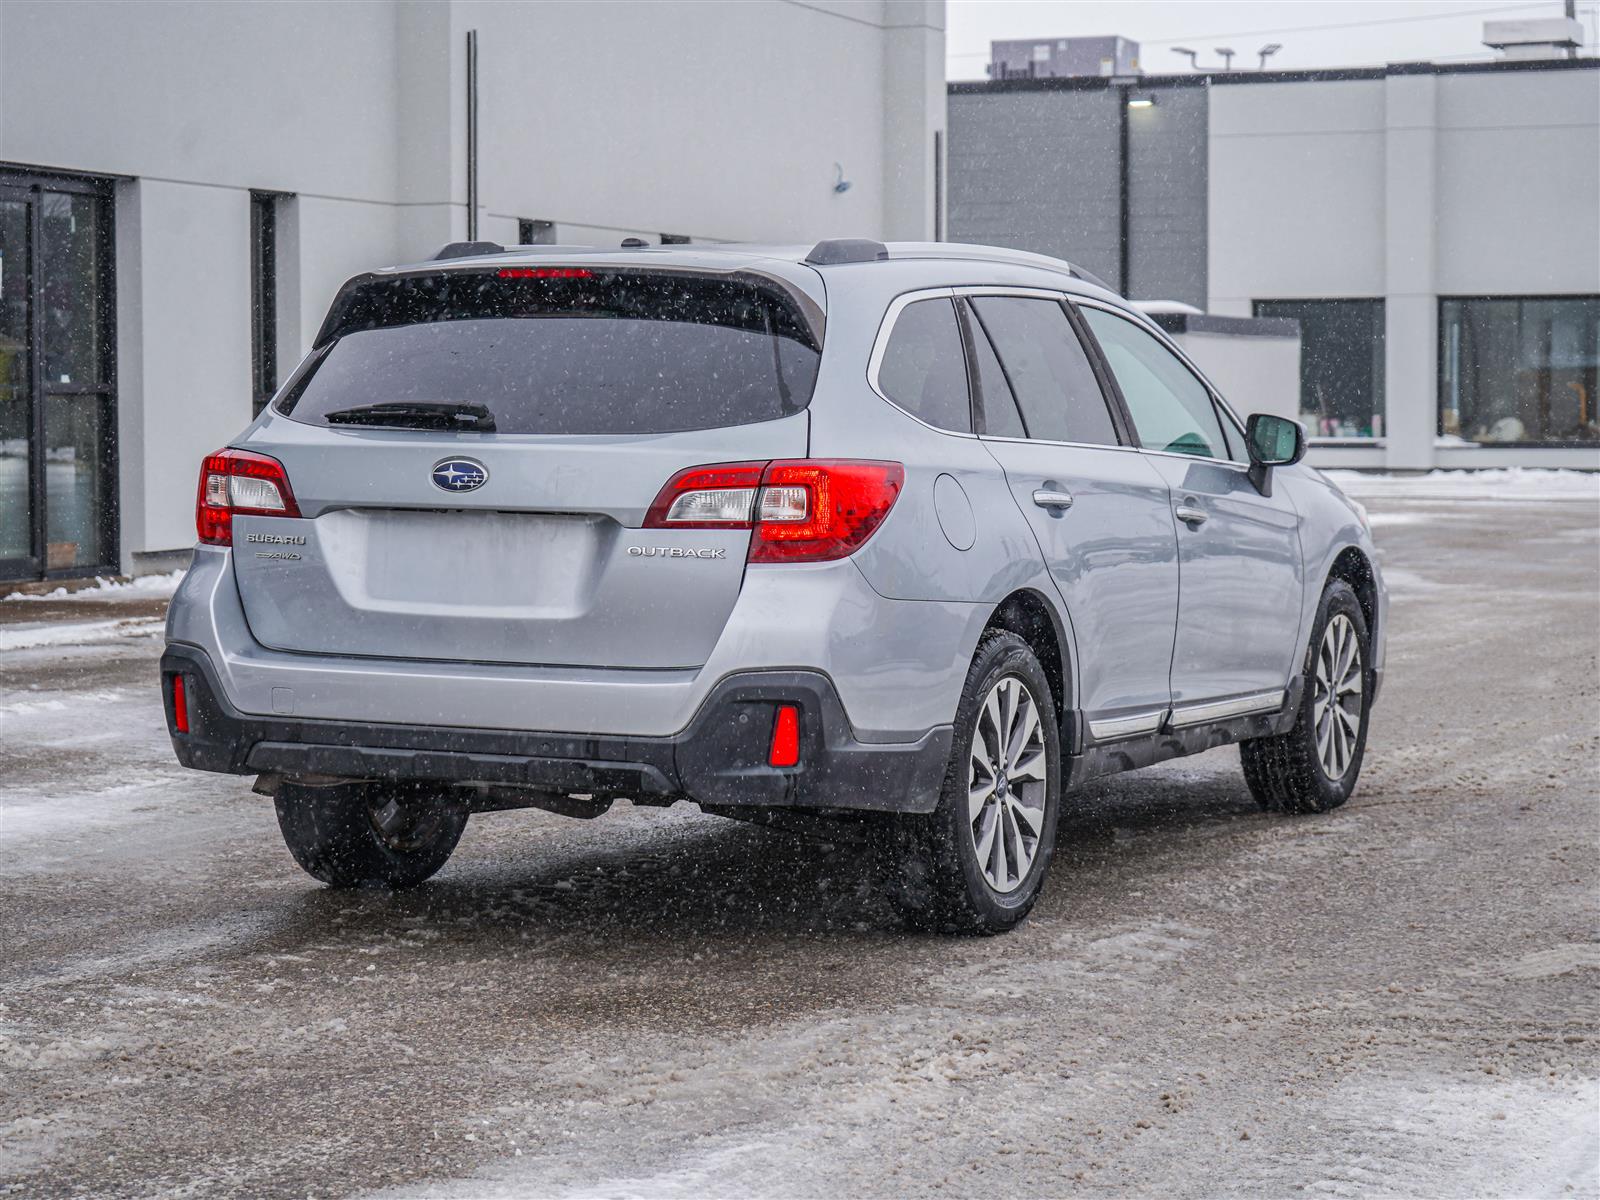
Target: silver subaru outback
(916, 537)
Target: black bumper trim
(720, 758)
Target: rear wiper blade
(474, 418)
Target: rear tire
(369, 834)
(977, 863)
(1313, 767)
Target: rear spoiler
(344, 310)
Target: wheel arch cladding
(1352, 565)
(1028, 615)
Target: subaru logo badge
(460, 475)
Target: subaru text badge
(460, 475)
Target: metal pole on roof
(472, 135)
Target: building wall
(719, 121)
(1167, 165)
(1404, 185)
(1408, 187)
(1038, 171)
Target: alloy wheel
(1336, 698)
(1007, 782)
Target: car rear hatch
(473, 454)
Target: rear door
(1098, 509)
(1240, 572)
(474, 455)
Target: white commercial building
(183, 186)
(1434, 229)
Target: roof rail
(1021, 258)
(846, 250)
(469, 250)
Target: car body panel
(1241, 578)
(544, 564)
(893, 628)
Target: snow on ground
(1509, 485)
(140, 586)
(77, 633)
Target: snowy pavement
(1399, 998)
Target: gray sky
(1368, 31)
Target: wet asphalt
(1400, 997)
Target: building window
(263, 297)
(1341, 364)
(536, 233)
(1520, 370)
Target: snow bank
(1519, 484)
(143, 585)
(77, 633)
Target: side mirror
(1272, 442)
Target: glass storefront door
(57, 402)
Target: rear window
(600, 353)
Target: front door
(1098, 509)
(57, 407)
(1240, 577)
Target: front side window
(1171, 409)
(1047, 369)
(1520, 370)
(924, 370)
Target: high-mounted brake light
(239, 482)
(545, 273)
(801, 510)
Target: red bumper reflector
(180, 705)
(785, 737)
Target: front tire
(976, 864)
(369, 834)
(1313, 767)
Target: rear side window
(924, 369)
(997, 407)
(1047, 368)
(1171, 409)
(578, 352)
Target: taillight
(802, 510)
(239, 482)
(815, 510)
(715, 497)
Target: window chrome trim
(898, 305)
(1218, 710)
(1118, 728)
(880, 346)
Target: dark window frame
(263, 299)
(1439, 365)
(30, 184)
(1380, 399)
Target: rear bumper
(719, 758)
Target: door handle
(1045, 498)
(1190, 515)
